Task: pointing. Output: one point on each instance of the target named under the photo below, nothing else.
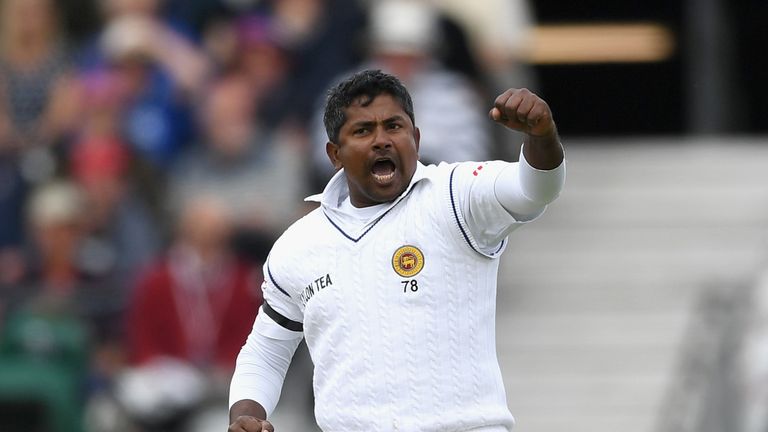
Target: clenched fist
(523, 111)
(250, 424)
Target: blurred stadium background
(151, 150)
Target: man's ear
(332, 149)
(417, 137)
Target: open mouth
(383, 170)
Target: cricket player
(392, 280)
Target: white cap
(403, 26)
(126, 36)
(59, 202)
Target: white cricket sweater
(399, 313)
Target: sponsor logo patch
(407, 261)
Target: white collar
(337, 189)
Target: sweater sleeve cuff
(541, 186)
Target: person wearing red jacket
(190, 312)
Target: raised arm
(525, 189)
(496, 197)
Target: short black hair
(367, 84)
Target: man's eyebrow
(394, 118)
(363, 123)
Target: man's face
(378, 149)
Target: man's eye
(394, 126)
(360, 131)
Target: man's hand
(248, 416)
(250, 424)
(523, 111)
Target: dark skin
(248, 416)
(378, 141)
(378, 149)
(524, 111)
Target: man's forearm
(524, 190)
(544, 152)
(261, 366)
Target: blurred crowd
(148, 160)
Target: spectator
(57, 275)
(35, 113)
(35, 66)
(120, 237)
(499, 32)
(55, 215)
(251, 170)
(56, 315)
(136, 28)
(299, 46)
(187, 318)
(162, 72)
(324, 38)
(220, 42)
(263, 60)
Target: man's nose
(381, 139)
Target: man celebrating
(392, 280)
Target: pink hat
(97, 158)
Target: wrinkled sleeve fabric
(261, 366)
(264, 359)
(494, 198)
(525, 191)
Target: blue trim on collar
(370, 227)
(339, 228)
